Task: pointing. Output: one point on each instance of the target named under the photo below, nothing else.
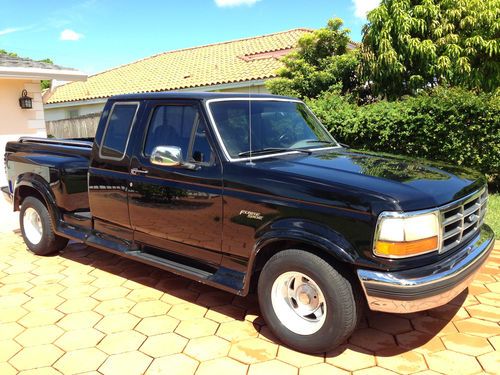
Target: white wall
(15, 121)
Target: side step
(222, 278)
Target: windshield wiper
(269, 150)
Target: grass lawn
(493, 214)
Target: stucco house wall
(15, 121)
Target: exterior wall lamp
(25, 102)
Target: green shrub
(449, 124)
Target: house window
(72, 113)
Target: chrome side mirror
(166, 156)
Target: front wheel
(306, 302)
(37, 228)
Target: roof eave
(40, 73)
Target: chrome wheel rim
(32, 224)
(298, 303)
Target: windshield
(276, 126)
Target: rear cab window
(117, 132)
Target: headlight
(404, 235)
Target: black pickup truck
(244, 192)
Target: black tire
(50, 242)
(340, 296)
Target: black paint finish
(222, 215)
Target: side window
(201, 150)
(181, 126)
(117, 132)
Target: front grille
(462, 220)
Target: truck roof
(192, 95)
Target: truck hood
(412, 184)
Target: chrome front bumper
(429, 286)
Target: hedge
(448, 124)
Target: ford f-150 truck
(243, 192)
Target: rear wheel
(37, 228)
(306, 302)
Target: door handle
(137, 171)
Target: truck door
(177, 210)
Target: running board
(224, 278)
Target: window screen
(117, 131)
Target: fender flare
(326, 240)
(39, 184)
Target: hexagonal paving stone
(492, 299)
(322, 369)
(478, 327)
(77, 305)
(45, 290)
(467, 344)
(113, 292)
(401, 362)
(114, 306)
(486, 312)
(372, 339)
(144, 294)
(421, 342)
(79, 320)
(374, 371)
(150, 308)
(43, 303)
(175, 364)
(449, 312)
(225, 313)
(117, 322)
(350, 358)
(187, 311)
(389, 323)
(15, 288)
(298, 359)
(216, 298)
(81, 360)
(164, 344)
(40, 318)
(179, 296)
(222, 366)
(490, 362)
(494, 341)
(7, 349)
(130, 363)
(10, 330)
(120, 342)
(79, 339)
(237, 330)
(78, 291)
(253, 350)
(154, 325)
(207, 348)
(271, 367)
(12, 314)
(41, 371)
(449, 362)
(47, 278)
(36, 356)
(39, 335)
(6, 369)
(196, 328)
(433, 326)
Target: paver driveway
(86, 310)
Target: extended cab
(239, 192)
